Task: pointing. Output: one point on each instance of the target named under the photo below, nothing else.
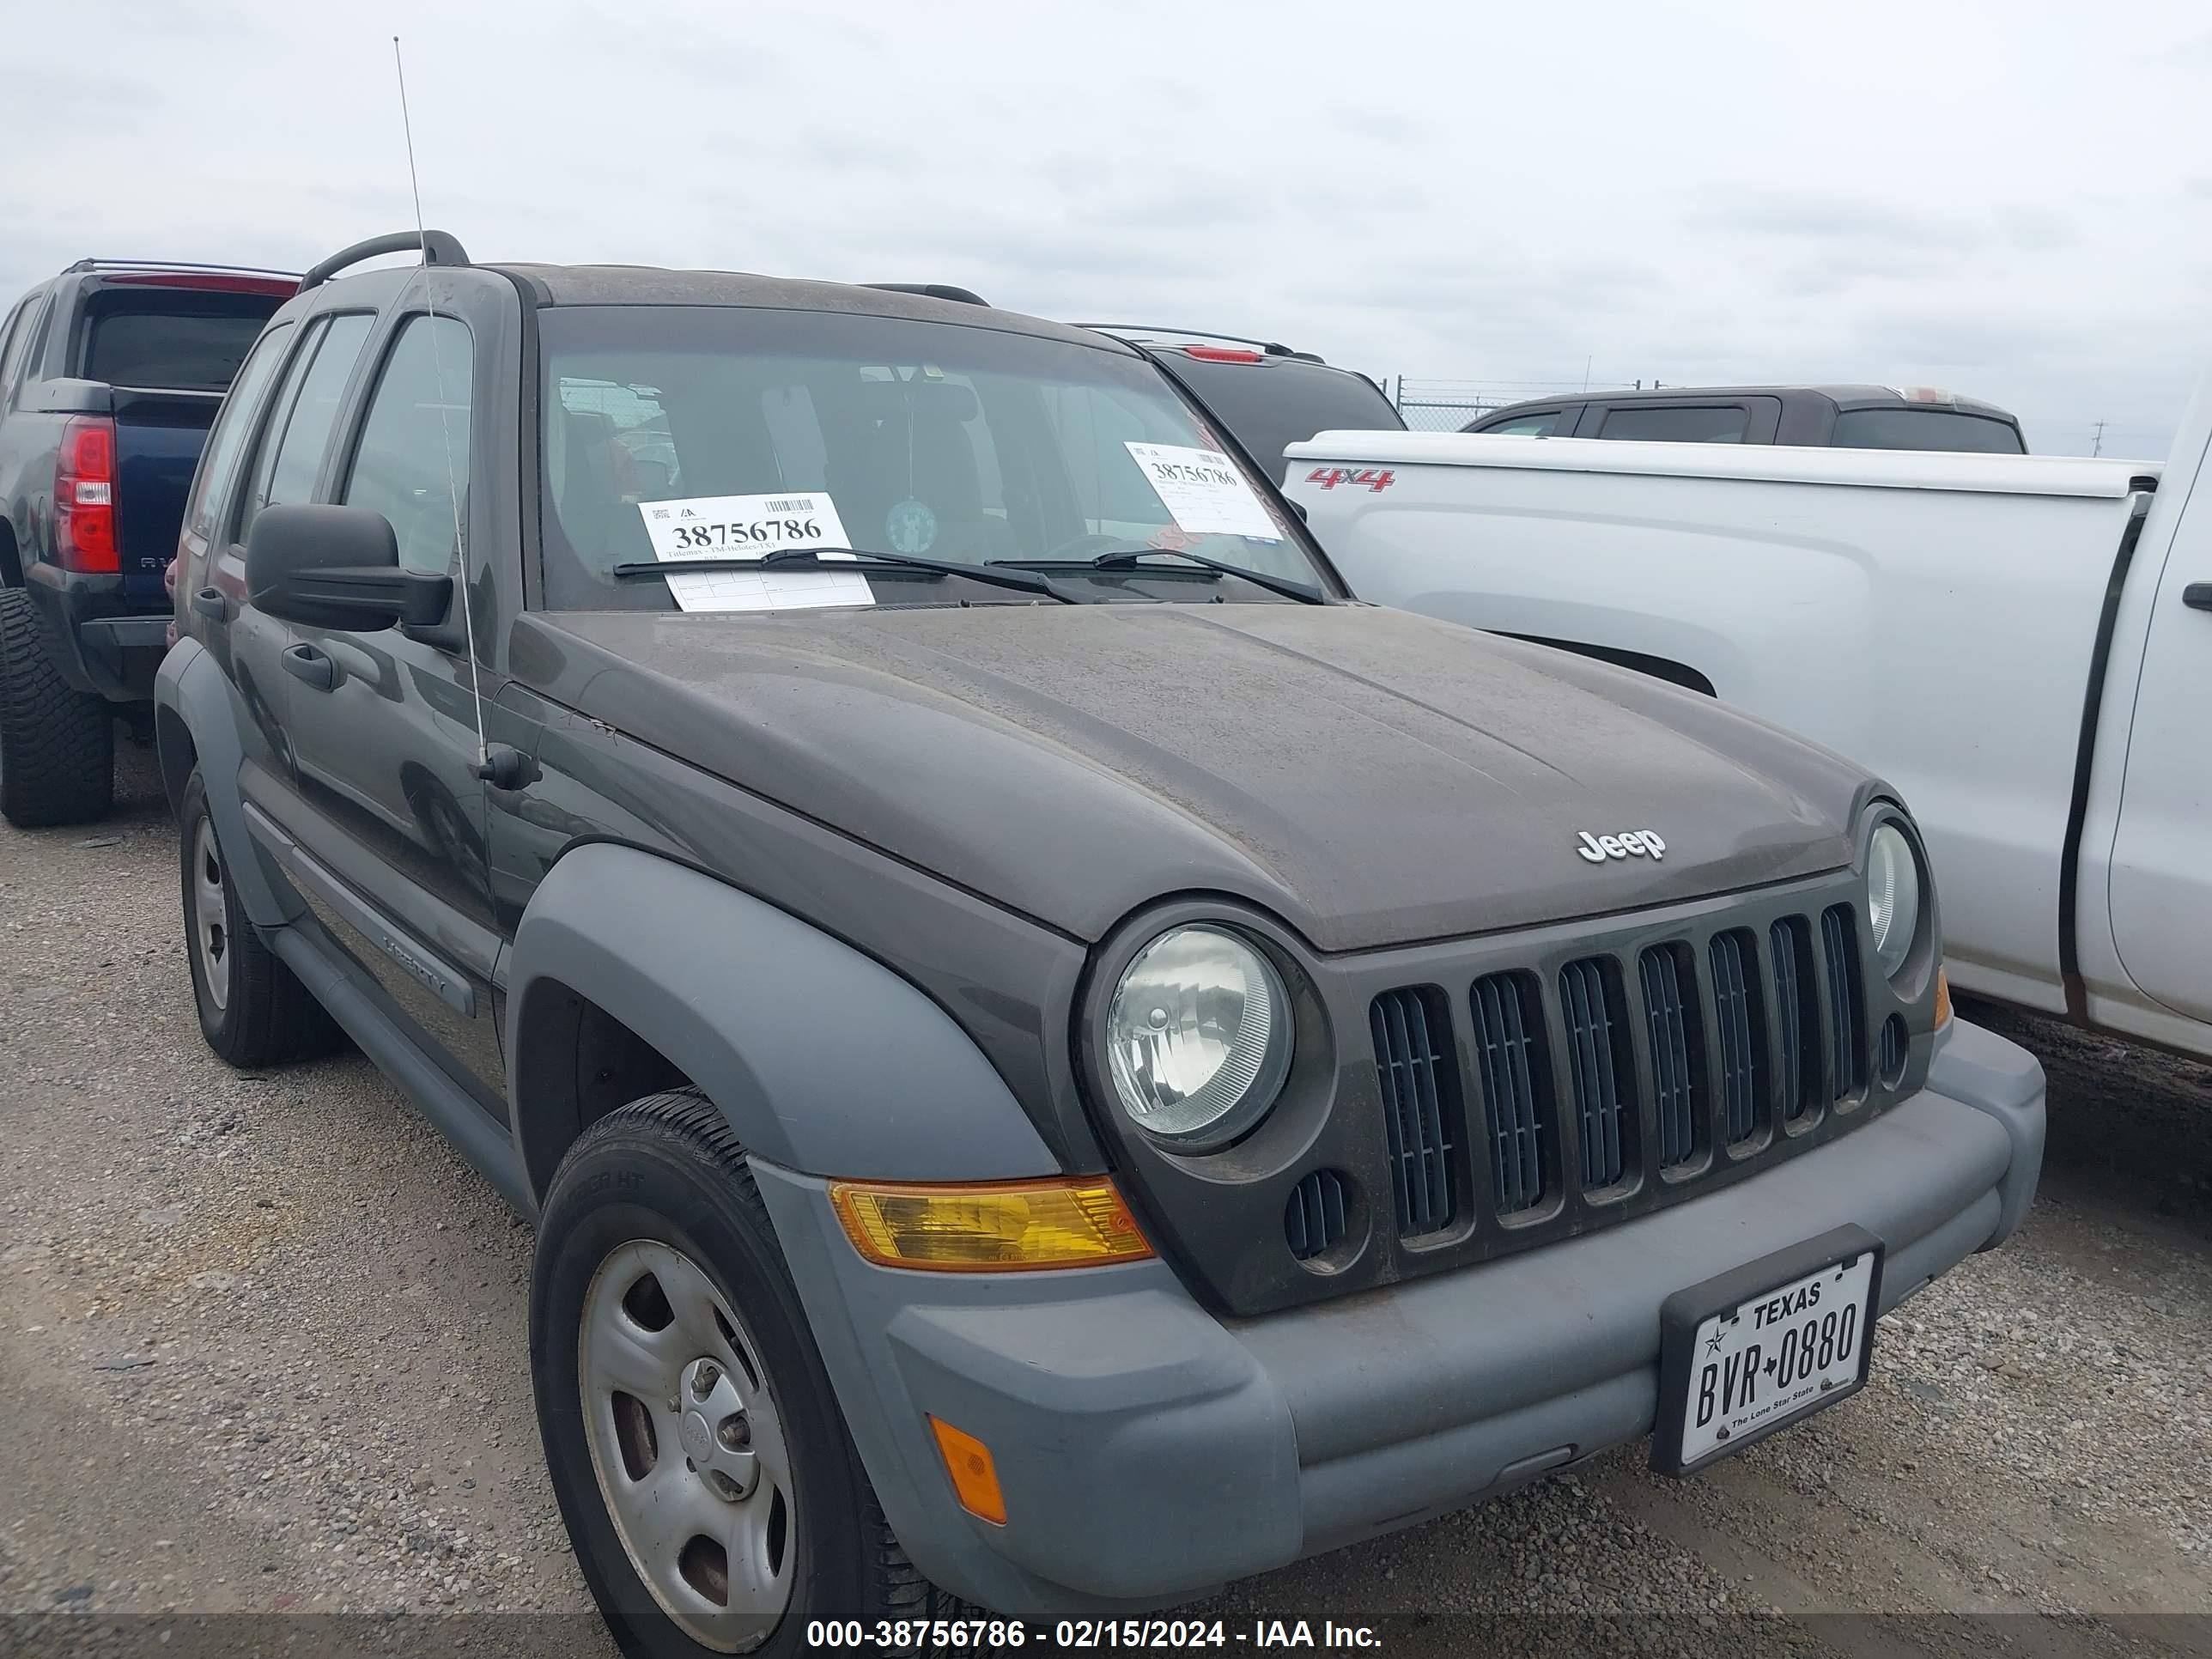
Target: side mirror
(338, 566)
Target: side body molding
(822, 1060)
(191, 687)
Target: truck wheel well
(11, 567)
(172, 743)
(1659, 668)
(575, 1063)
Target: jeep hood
(1371, 776)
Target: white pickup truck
(2022, 645)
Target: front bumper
(1149, 1451)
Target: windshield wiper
(812, 558)
(1133, 559)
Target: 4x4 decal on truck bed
(1329, 477)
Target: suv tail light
(84, 496)
(1221, 354)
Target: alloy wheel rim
(688, 1443)
(210, 917)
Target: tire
(658, 1190)
(253, 1010)
(57, 744)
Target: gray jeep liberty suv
(1056, 1059)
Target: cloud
(1470, 192)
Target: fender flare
(822, 1060)
(194, 699)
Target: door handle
(2197, 596)
(305, 662)
(208, 602)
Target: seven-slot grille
(1741, 1032)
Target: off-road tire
(667, 1167)
(57, 744)
(266, 1016)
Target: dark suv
(1055, 1059)
(109, 375)
(1266, 395)
(1817, 417)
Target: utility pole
(2097, 445)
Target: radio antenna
(445, 419)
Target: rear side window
(1707, 423)
(172, 338)
(27, 329)
(294, 442)
(225, 444)
(1544, 425)
(414, 453)
(1926, 428)
(18, 320)
(1271, 405)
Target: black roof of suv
(1838, 417)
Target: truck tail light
(84, 496)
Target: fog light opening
(1896, 1050)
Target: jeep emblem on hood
(1629, 844)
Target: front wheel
(710, 1489)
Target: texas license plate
(1763, 1346)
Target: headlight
(1198, 1037)
(1892, 897)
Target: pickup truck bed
(110, 375)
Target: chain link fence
(1448, 405)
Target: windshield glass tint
(961, 444)
(1925, 429)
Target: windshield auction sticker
(1204, 492)
(748, 527)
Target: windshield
(682, 432)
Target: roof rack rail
(966, 296)
(439, 247)
(177, 264)
(1271, 347)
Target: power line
(2096, 446)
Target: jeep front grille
(1677, 1047)
(1421, 1099)
(1800, 1016)
(1738, 1013)
(1505, 1055)
(1632, 1076)
(1846, 1041)
(1599, 1059)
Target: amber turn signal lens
(1942, 998)
(1009, 1227)
(975, 1477)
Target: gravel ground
(262, 1348)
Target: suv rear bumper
(96, 643)
(1149, 1450)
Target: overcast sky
(2013, 200)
